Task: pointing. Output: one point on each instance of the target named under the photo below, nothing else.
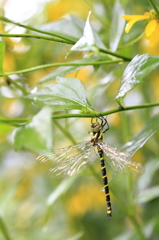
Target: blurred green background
(35, 206)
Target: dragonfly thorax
(96, 138)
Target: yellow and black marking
(97, 136)
(105, 182)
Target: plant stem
(42, 37)
(58, 38)
(91, 115)
(17, 85)
(59, 65)
(154, 7)
(35, 29)
(115, 54)
(15, 122)
(67, 134)
(22, 121)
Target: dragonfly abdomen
(105, 181)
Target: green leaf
(69, 27)
(60, 190)
(145, 180)
(77, 236)
(36, 135)
(117, 26)
(136, 71)
(87, 41)
(66, 94)
(2, 52)
(148, 195)
(97, 93)
(65, 70)
(4, 230)
(138, 141)
(8, 195)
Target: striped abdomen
(105, 181)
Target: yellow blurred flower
(58, 8)
(80, 202)
(152, 28)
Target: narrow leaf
(148, 195)
(138, 141)
(136, 71)
(117, 26)
(151, 167)
(4, 229)
(2, 52)
(79, 23)
(37, 135)
(66, 94)
(87, 41)
(71, 27)
(76, 236)
(65, 70)
(9, 194)
(60, 190)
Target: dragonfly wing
(134, 167)
(120, 161)
(69, 161)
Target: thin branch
(4, 19)
(59, 65)
(22, 121)
(65, 132)
(115, 54)
(42, 37)
(16, 85)
(91, 115)
(66, 40)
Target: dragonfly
(74, 159)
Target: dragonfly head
(100, 125)
(95, 127)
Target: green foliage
(136, 71)
(4, 230)
(67, 94)
(117, 26)
(36, 135)
(138, 141)
(2, 52)
(65, 70)
(121, 82)
(87, 41)
(149, 195)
